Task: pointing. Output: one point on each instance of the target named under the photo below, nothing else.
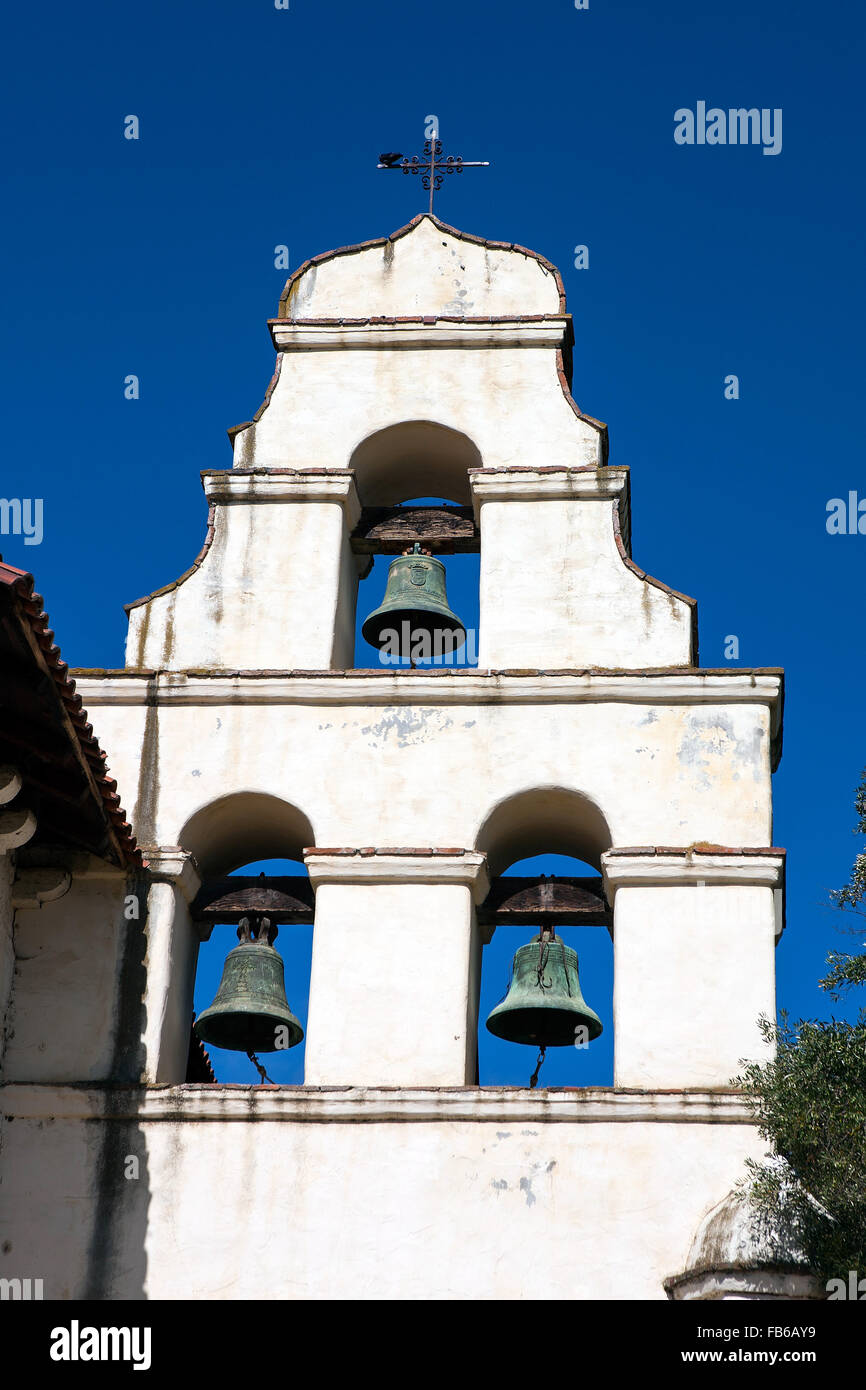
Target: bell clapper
(266, 1080)
(539, 1062)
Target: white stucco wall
(555, 589)
(401, 1192)
(424, 270)
(277, 577)
(346, 369)
(428, 761)
(507, 399)
(412, 758)
(63, 1021)
(363, 1194)
(393, 992)
(693, 972)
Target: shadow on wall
(116, 1257)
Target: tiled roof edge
(30, 603)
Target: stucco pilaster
(276, 578)
(172, 956)
(394, 981)
(558, 588)
(694, 934)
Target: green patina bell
(544, 1005)
(250, 1012)
(415, 606)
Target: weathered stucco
(425, 269)
(421, 759)
(360, 1194)
(427, 365)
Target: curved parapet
(273, 585)
(429, 323)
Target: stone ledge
(464, 868)
(666, 866)
(372, 1104)
(684, 684)
(422, 332)
(691, 850)
(423, 852)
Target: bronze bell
(543, 1005)
(250, 1012)
(415, 606)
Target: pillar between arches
(694, 935)
(396, 967)
(172, 956)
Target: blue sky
(261, 127)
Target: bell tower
(432, 363)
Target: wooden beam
(444, 530)
(538, 901)
(289, 900)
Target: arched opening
(559, 834)
(413, 484)
(423, 650)
(243, 827)
(415, 458)
(236, 840)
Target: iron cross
(432, 165)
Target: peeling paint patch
(409, 727)
(714, 737)
(526, 1187)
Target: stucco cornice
(228, 485)
(762, 867)
(469, 686)
(523, 484)
(366, 1104)
(458, 867)
(171, 864)
(530, 330)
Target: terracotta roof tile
(19, 585)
